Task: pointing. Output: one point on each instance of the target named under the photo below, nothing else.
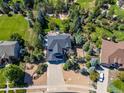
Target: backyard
(14, 24)
(87, 4)
(100, 31)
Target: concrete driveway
(55, 78)
(102, 86)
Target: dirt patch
(80, 52)
(40, 81)
(71, 77)
(113, 74)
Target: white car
(101, 77)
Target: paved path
(102, 86)
(46, 86)
(55, 78)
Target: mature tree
(29, 4)
(38, 53)
(114, 38)
(5, 7)
(60, 5)
(91, 51)
(52, 25)
(41, 68)
(94, 63)
(88, 57)
(71, 65)
(86, 46)
(88, 64)
(27, 59)
(13, 73)
(38, 28)
(42, 20)
(39, 42)
(80, 39)
(66, 26)
(94, 38)
(17, 37)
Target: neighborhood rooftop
(9, 48)
(112, 52)
(7, 43)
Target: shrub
(84, 71)
(86, 46)
(41, 68)
(88, 64)
(121, 75)
(88, 57)
(71, 65)
(94, 76)
(65, 67)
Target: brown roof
(112, 52)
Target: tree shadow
(28, 79)
(98, 67)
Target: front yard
(2, 79)
(29, 77)
(115, 84)
(73, 78)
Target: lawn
(14, 24)
(58, 21)
(2, 79)
(118, 34)
(116, 86)
(87, 4)
(118, 11)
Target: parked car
(101, 77)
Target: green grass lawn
(116, 86)
(118, 34)
(2, 79)
(58, 21)
(118, 11)
(87, 4)
(14, 24)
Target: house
(120, 3)
(112, 54)
(58, 46)
(8, 49)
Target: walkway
(102, 86)
(46, 86)
(55, 78)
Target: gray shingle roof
(56, 44)
(121, 3)
(9, 48)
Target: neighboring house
(120, 3)
(57, 47)
(8, 49)
(112, 53)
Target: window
(50, 50)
